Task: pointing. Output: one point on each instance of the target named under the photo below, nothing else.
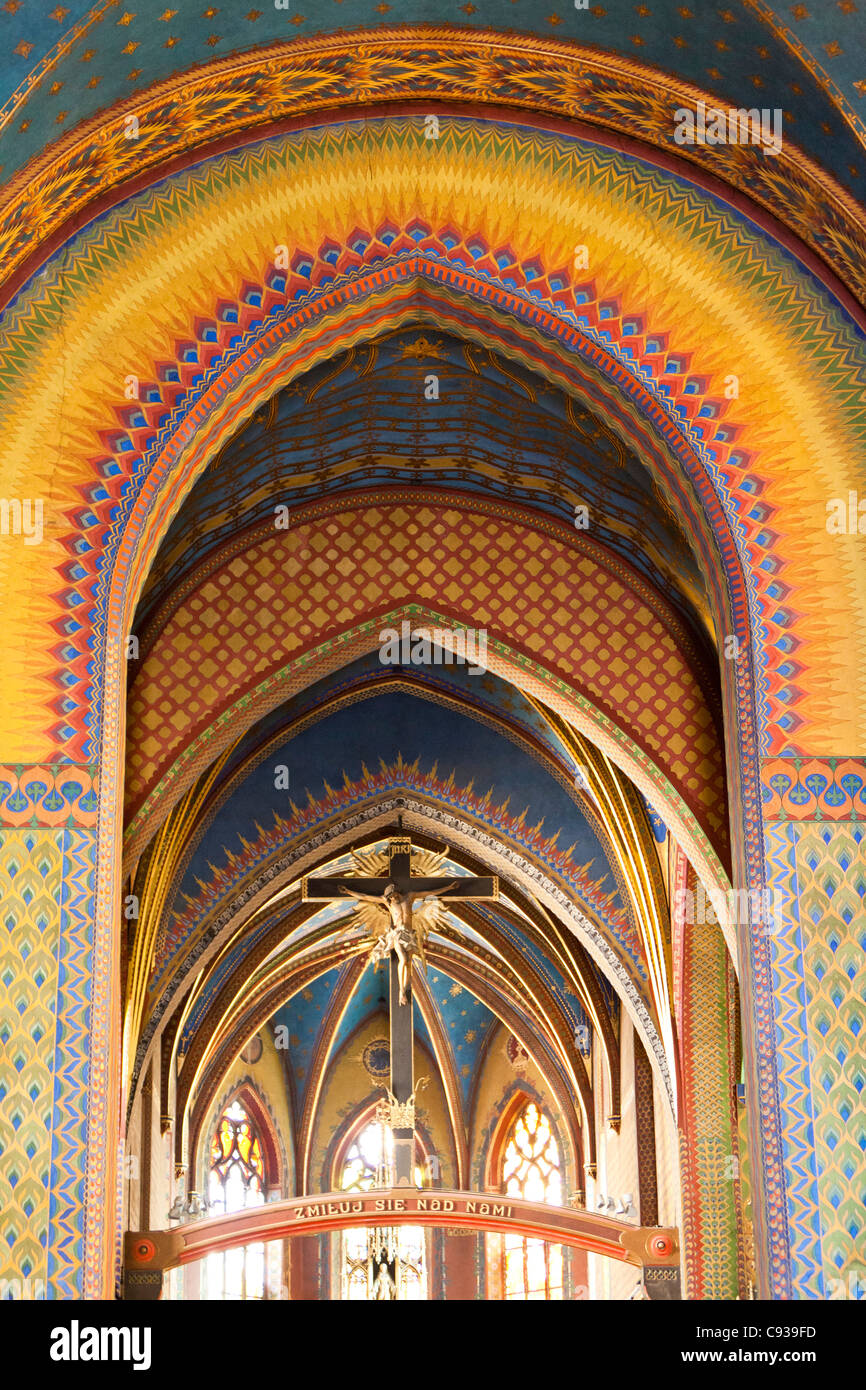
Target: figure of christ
(401, 935)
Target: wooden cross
(402, 1024)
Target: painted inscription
(464, 1206)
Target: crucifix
(396, 894)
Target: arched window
(384, 1262)
(531, 1168)
(236, 1180)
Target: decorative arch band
(222, 104)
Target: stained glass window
(236, 1180)
(532, 1269)
(384, 1262)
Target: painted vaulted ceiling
(66, 62)
(366, 420)
(466, 1023)
(469, 744)
(454, 754)
(500, 428)
(497, 744)
(158, 260)
(316, 1033)
(322, 1017)
(391, 726)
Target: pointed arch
(778, 597)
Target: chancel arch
(242, 278)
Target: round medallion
(377, 1059)
(253, 1050)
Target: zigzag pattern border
(65, 1244)
(397, 777)
(793, 1065)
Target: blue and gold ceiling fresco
(302, 1017)
(392, 723)
(390, 726)
(369, 997)
(466, 1022)
(64, 63)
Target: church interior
(433, 717)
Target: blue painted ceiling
(398, 723)
(488, 696)
(303, 1017)
(466, 1023)
(370, 997)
